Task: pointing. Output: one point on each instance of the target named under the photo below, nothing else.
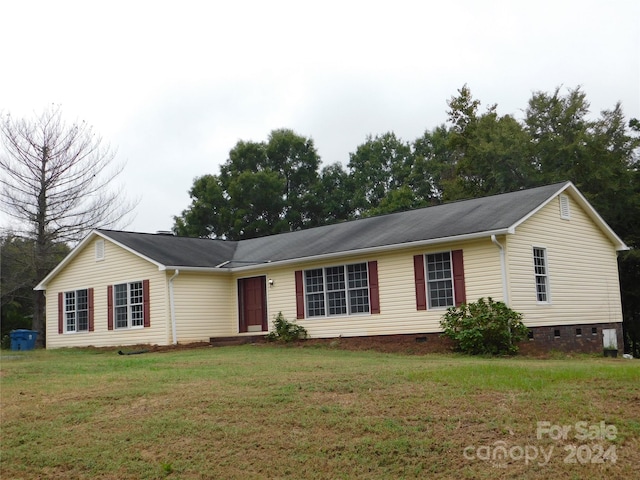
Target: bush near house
(286, 331)
(484, 327)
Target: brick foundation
(563, 338)
(582, 338)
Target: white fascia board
(221, 270)
(595, 216)
(540, 207)
(588, 208)
(372, 250)
(134, 252)
(65, 261)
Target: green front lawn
(289, 412)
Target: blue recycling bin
(23, 339)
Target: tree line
(281, 185)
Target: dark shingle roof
(176, 251)
(455, 219)
(468, 217)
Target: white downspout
(503, 266)
(173, 307)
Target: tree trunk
(42, 252)
(38, 322)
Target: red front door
(252, 304)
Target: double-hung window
(128, 305)
(440, 280)
(339, 290)
(542, 274)
(76, 311)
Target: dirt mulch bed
(416, 344)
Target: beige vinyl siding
(483, 270)
(118, 266)
(582, 269)
(204, 306)
(281, 296)
(398, 313)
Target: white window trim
(426, 280)
(547, 276)
(129, 306)
(64, 312)
(325, 292)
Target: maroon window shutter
(458, 277)
(60, 312)
(146, 307)
(299, 295)
(90, 299)
(242, 321)
(421, 287)
(374, 290)
(110, 307)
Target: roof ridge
(341, 222)
(380, 215)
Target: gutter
(378, 249)
(503, 267)
(267, 264)
(173, 307)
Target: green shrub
(484, 328)
(286, 331)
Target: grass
(288, 412)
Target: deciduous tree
(490, 151)
(379, 166)
(57, 183)
(434, 164)
(263, 188)
(333, 196)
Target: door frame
(242, 323)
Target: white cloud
(175, 85)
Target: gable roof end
(163, 251)
(570, 189)
(65, 261)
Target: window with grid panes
(542, 277)
(440, 280)
(314, 284)
(76, 311)
(128, 305)
(338, 290)
(358, 288)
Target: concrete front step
(237, 340)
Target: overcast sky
(174, 85)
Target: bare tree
(57, 183)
